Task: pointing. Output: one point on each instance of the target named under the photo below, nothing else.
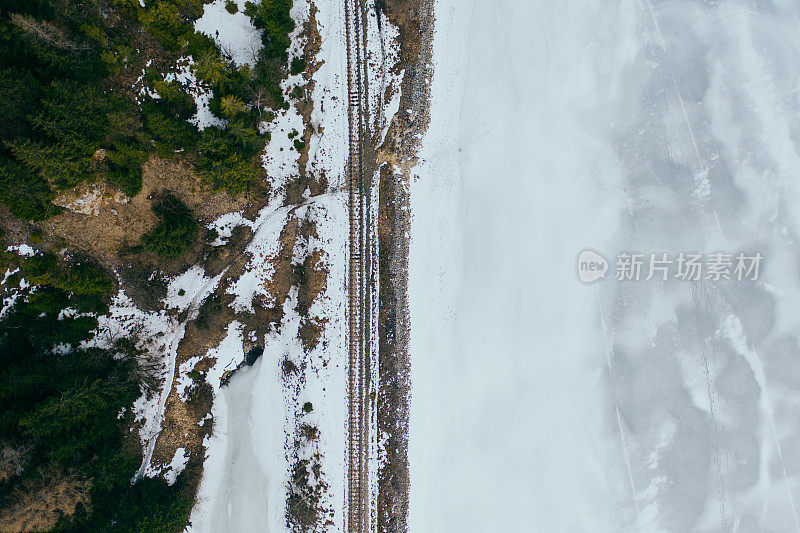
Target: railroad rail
(359, 330)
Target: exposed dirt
(311, 332)
(219, 258)
(396, 158)
(411, 18)
(181, 427)
(105, 220)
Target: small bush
(309, 432)
(298, 65)
(298, 92)
(125, 167)
(288, 367)
(175, 232)
(301, 511)
(231, 7)
(303, 501)
(36, 236)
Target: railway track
(359, 312)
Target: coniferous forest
(86, 97)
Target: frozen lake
(544, 404)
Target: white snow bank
(24, 250)
(264, 246)
(280, 155)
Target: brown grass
(38, 504)
(311, 279)
(280, 284)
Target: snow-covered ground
(252, 449)
(543, 404)
(233, 32)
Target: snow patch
(280, 155)
(190, 289)
(158, 335)
(22, 249)
(233, 32)
(225, 224)
(176, 466)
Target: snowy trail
(541, 404)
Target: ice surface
(539, 403)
